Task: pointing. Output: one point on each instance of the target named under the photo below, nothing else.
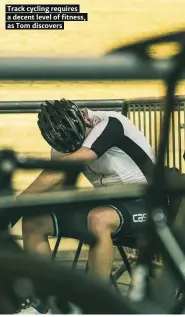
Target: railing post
(125, 108)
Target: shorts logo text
(140, 217)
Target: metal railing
(147, 115)
(33, 106)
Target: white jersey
(124, 154)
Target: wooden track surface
(110, 24)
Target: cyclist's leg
(102, 221)
(113, 222)
(35, 231)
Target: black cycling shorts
(132, 214)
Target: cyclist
(115, 152)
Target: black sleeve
(106, 134)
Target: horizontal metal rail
(33, 106)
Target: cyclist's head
(62, 125)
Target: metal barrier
(34, 105)
(147, 115)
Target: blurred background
(111, 23)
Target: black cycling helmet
(62, 125)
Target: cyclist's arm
(43, 183)
(83, 154)
(47, 180)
